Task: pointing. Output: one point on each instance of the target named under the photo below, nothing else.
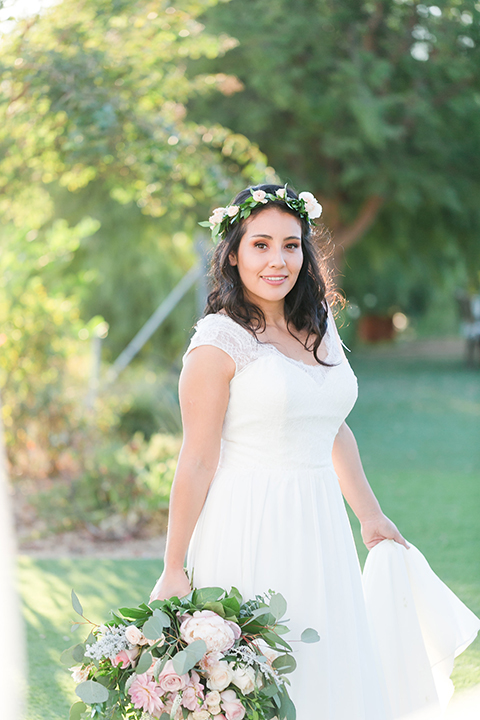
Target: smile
(274, 279)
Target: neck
(274, 312)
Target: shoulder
(220, 331)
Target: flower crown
(306, 205)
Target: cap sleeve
(224, 333)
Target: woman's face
(269, 256)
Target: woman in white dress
(266, 456)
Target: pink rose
(218, 634)
(169, 681)
(231, 706)
(125, 658)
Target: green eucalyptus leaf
(68, 658)
(78, 653)
(278, 606)
(309, 635)
(281, 629)
(77, 606)
(285, 664)
(183, 661)
(153, 628)
(196, 649)
(76, 710)
(144, 663)
(91, 692)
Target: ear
(232, 258)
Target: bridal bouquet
(206, 656)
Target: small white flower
(281, 193)
(232, 210)
(312, 206)
(259, 196)
(217, 216)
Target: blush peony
(218, 634)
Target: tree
(373, 106)
(97, 90)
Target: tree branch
(348, 235)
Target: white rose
(259, 196)
(244, 679)
(213, 698)
(281, 193)
(232, 210)
(217, 216)
(219, 677)
(80, 673)
(133, 635)
(200, 715)
(312, 206)
(218, 634)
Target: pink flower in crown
(145, 695)
(170, 681)
(125, 658)
(259, 196)
(218, 634)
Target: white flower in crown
(232, 210)
(312, 206)
(259, 196)
(281, 193)
(217, 216)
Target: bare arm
(203, 393)
(358, 493)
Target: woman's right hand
(171, 583)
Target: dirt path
(81, 544)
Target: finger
(401, 540)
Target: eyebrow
(263, 235)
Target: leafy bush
(119, 492)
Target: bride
(257, 501)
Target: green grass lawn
(418, 429)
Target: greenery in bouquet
(206, 656)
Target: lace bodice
(222, 332)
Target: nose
(276, 258)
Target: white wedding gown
(274, 518)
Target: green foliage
(373, 106)
(119, 488)
(98, 91)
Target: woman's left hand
(381, 528)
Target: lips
(274, 279)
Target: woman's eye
(293, 246)
(261, 245)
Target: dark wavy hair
(305, 304)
